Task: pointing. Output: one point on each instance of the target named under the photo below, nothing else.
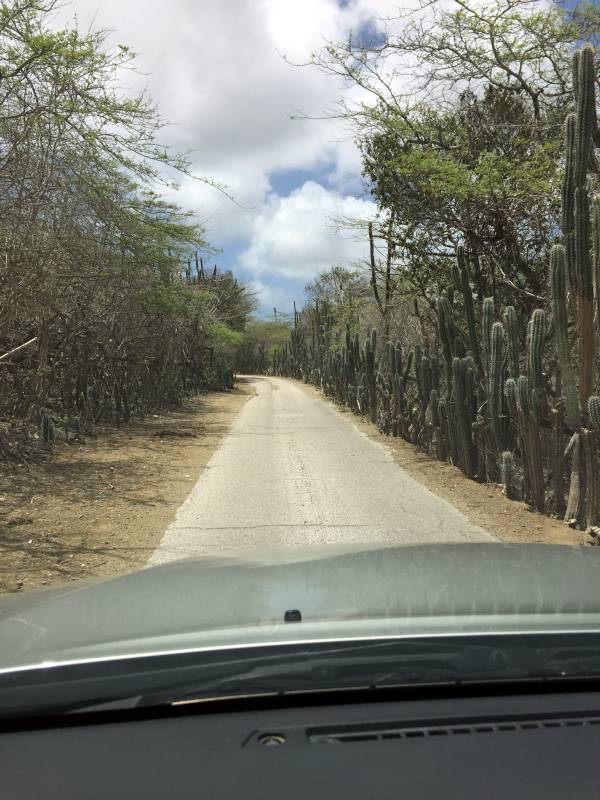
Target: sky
(216, 71)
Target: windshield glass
(299, 331)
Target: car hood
(341, 593)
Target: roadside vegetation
(106, 309)
(473, 329)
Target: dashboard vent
(408, 731)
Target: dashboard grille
(409, 731)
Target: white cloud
(215, 69)
(296, 237)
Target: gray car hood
(350, 592)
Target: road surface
(294, 471)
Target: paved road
(294, 471)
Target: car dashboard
(515, 744)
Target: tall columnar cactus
(586, 112)
(596, 252)
(510, 392)
(535, 350)
(561, 335)
(487, 320)
(467, 294)
(592, 458)
(585, 292)
(576, 207)
(445, 335)
(507, 474)
(512, 341)
(495, 383)
(568, 188)
(460, 368)
(426, 378)
(594, 412)
(419, 371)
(530, 434)
(371, 367)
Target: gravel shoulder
(101, 508)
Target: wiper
(365, 669)
(347, 668)
(306, 668)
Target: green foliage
(95, 262)
(223, 336)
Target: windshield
(299, 338)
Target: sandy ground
(101, 508)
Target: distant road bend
(294, 471)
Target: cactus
(569, 177)
(370, 364)
(507, 472)
(596, 252)
(535, 349)
(467, 294)
(426, 378)
(463, 418)
(445, 335)
(585, 113)
(487, 320)
(585, 293)
(594, 412)
(561, 337)
(576, 502)
(512, 341)
(419, 372)
(495, 383)
(510, 392)
(530, 434)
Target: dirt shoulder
(102, 507)
(483, 503)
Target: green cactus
(465, 287)
(594, 412)
(463, 419)
(535, 349)
(523, 396)
(419, 371)
(585, 113)
(495, 383)
(487, 320)
(426, 378)
(434, 405)
(567, 219)
(512, 341)
(585, 292)
(561, 337)
(528, 404)
(507, 473)
(510, 392)
(575, 74)
(596, 251)
(445, 335)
